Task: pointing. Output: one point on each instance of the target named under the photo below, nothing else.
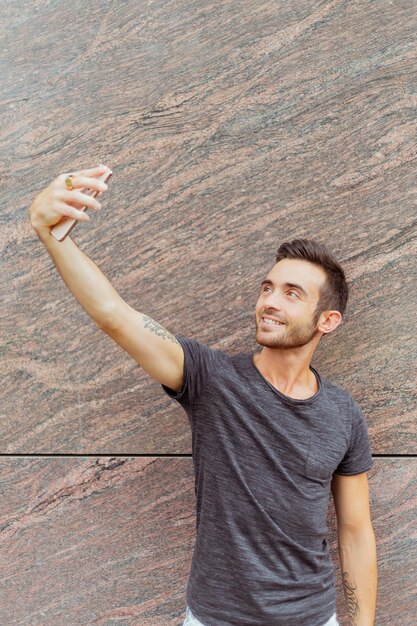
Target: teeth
(267, 321)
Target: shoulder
(200, 350)
(337, 395)
(341, 402)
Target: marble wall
(230, 127)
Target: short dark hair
(335, 291)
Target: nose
(271, 304)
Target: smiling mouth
(269, 322)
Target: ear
(329, 321)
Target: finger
(78, 198)
(81, 182)
(70, 211)
(93, 171)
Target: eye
(294, 292)
(265, 287)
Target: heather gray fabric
(191, 620)
(263, 463)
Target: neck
(288, 373)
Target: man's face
(288, 304)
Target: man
(270, 437)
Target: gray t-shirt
(263, 463)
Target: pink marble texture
(109, 540)
(230, 127)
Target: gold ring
(68, 181)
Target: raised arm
(156, 350)
(153, 347)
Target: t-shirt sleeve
(358, 457)
(199, 360)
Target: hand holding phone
(67, 223)
(57, 208)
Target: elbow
(111, 317)
(353, 534)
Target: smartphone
(65, 226)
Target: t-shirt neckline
(282, 395)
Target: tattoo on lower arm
(159, 330)
(351, 599)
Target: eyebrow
(268, 281)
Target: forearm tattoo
(351, 599)
(159, 330)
